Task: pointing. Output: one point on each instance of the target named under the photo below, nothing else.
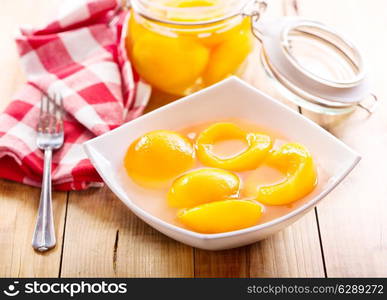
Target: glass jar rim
(158, 10)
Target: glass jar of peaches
(181, 46)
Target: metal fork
(50, 136)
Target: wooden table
(346, 235)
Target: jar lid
(313, 61)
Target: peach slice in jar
(229, 55)
(158, 157)
(295, 161)
(172, 64)
(202, 186)
(136, 29)
(221, 216)
(258, 146)
(209, 35)
(224, 31)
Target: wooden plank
(104, 239)
(18, 207)
(293, 252)
(19, 203)
(225, 264)
(353, 217)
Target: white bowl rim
(205, 236)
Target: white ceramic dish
(231, 98)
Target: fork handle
(44, 235)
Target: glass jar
(181, 46)
(313, 66)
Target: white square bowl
(231, 98)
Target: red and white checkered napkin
(82, 57)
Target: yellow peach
(135, 30)
(228, 56)
(221, 216)
(171, 64)
(202, 186)
(158, 157)
(217, 34)
(295, 161)
(258, 147)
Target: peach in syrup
(158, 157)
(258, 144)
(208, 191)
(221, 216)
(202, 186)
(177, 54)
(295, 161)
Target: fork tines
(51, 114)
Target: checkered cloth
(82, 57)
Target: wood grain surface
(99, 237)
